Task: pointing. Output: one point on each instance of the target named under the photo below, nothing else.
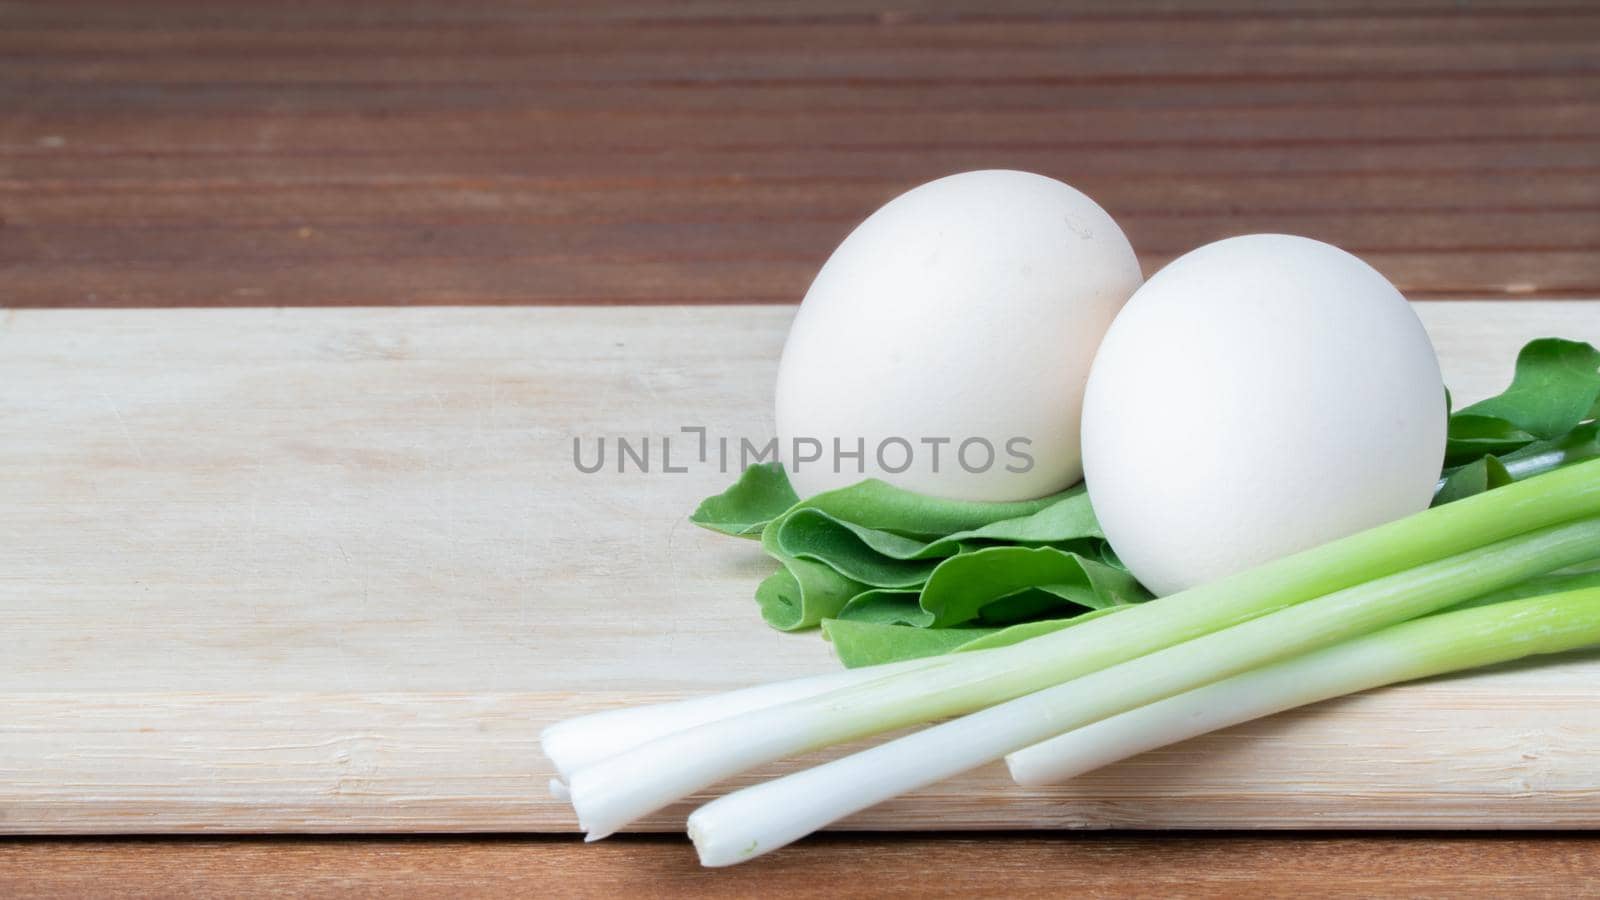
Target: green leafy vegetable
(877, 505)
(1556, 386)
(1473, 436)
(1545, 419)
(1482, 474)
(802, 593)
(882, 559)
(963, 586)
(876, 554)
(861, 643)
(1486, 472)
(761, 494)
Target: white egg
(947, 341)
(1258, 396)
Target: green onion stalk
(1450, 641)
(1367, 581)
(770, 815)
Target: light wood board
(332, 570)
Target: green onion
(1433, 645)
(577, 743)
(759, 819)
(614, 791)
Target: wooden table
(195, 153)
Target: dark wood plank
(536, 131)
(626, 152)
(193, 13)
(75, 98)
(1014, 865)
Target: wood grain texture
(1000, 865)
(202, 154)
(197, 153)
(332, 570)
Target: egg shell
(1258, 396)
(966, 309)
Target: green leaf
(1535, 425)
(860, 643)
(1025, 605)
(869, 555)
(877, 505)
(1480, 475)
(1021, 632)
(803, 592)
(888, 560)
(1556, 386)
(1067, 517)
(1471, 437)
(885, 607)
(1484, 473)
(761, 494)
(864, 643)
(874, 554)
(960, 588)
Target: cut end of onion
(556, 744)
(704, 831)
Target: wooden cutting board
(332, 570)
